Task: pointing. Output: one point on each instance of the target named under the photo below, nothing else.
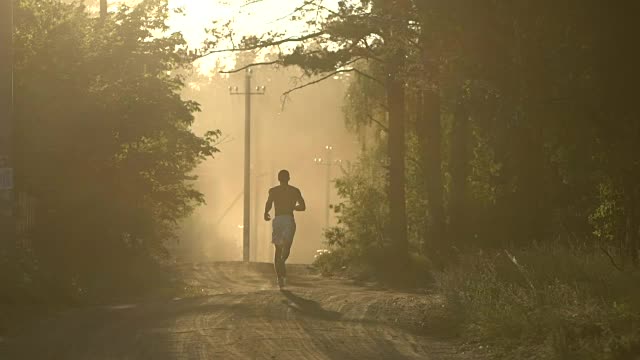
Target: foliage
(364, 213)
(104, 138)
(360, 244)
(519, 129)
(551, 302)
(499, 104)
(607, 218)
(513, 150)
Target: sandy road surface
(240, 315)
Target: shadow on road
(309, 307)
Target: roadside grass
(537, 303)
(376, 266)
(547, 303)
(28, 296)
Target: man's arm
(267, 207)
(300, 206)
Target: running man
(287, 199)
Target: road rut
(240, 314)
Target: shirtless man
(287, 199)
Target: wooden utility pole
(246, 223)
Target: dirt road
(240, 315)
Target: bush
(106, 147)
(417, 273)
(562, 304)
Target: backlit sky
(248, 18)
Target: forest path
(240, 315)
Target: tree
(523, 119)
(104, 137)
(357, 32)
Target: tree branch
(250, 66)
(250, 2)
(320, 6)
(333, 73)
(266, 44)
(375, 121)
(288, 92)
(371, 54)
(299, 8)
(613, 262)
(361, 73)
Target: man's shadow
(308, 307)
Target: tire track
(241, 316)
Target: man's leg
(276, 239)
(286, 248)
(277, 262)
(284, 255)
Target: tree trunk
(428, 129)
(395, 92)
(396, 144)
(635, 246)
(459, 169)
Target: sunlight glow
(246, 17)
(253, 19)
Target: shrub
(564, 304)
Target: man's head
(283, 176)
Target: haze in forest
(285, 135)
(483, 187)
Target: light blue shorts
(284, 228)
